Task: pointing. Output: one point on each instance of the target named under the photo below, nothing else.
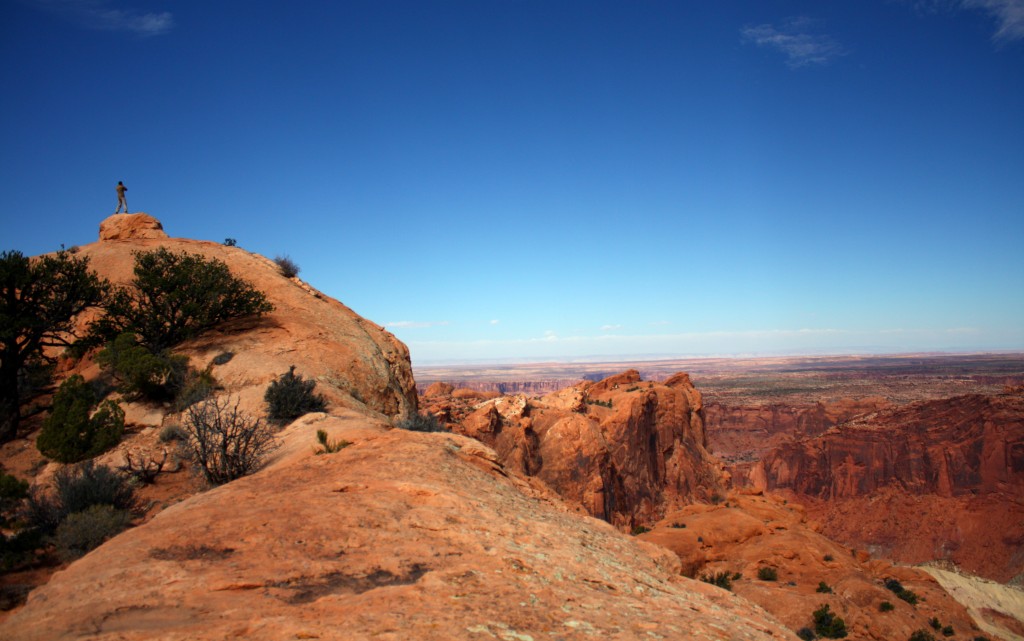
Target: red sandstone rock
(438, 389)
(355, 362)
(748, 532)
(399, 536)
(131, 226)
(627, 463)
(932, 480)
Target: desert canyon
(629, 501)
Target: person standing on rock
(121, 200)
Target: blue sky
(509, 179)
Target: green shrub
(173, 433)
(77, 488)
(420, 423)
(948, 631)
(806, 634)
(897, 588)
(935, 623)
(767, 574)
(829, 558)
(289, 268)
(885, 606)
(721, 579)
(640, 529)
(824, 588)
(225, 442)
(827, 624)
(82, 531)
(289, 397)
(198, 386)
(921, 635)
(70, 434)
(140, 373)
(13, 549)
(177, 296)
(328, 446)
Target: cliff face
(954, 447)
(931, 480)
(355, 362)
(398, 536)
(624, 449)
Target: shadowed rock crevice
(309, 589)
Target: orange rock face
(355, 362)
(932, 480)
(399, 536)
(749, 532)
(624, 449)
(131, 226)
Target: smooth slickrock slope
(355, 362)
(399, 536)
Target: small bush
(824, 588)
(222, 358)
(173, 433)
(70, 434)
(829, 558)
(640, 529)
(76, 489)
(678, 526)
(935, 623)
(827, 624)
(327, 446)
(197, 386)
(420, 423)
(142, 374)
(921, 635)
(767, 574)
(806, 634)
(885, 606)
(226, 443)
(288, 267)
(290, 397)
(721, 579)
(897, 588)
(230, 242)
(13, 550)
(948, 631)
(83, 531)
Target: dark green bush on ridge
(721, 579)
(176, 296)
(140, 373)
(290, 396)
(767, 574)
(827, 624)
(70, 434)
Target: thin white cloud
(495, 321)
(100, 16)
(791, 38)
(610, 328)
(1009, 15)
(406, 324)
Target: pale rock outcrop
(131, 226)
